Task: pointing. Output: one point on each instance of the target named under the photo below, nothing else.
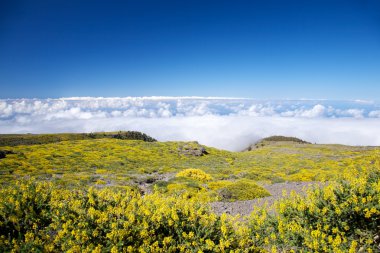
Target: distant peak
(275, 139)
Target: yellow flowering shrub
(73, 163)
(41, 217)
(24, 209)
(343, 216)
(195, 174)
(67, 215)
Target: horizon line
(192, 97)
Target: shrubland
(118, 162)
(120, 195)
(344, 216)
(39, 216)
(33, 139)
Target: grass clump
(241, 190)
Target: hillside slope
(144, 195)
(116, 162)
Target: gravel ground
(244, 208)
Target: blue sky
(258, 49)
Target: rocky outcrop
(192, 149)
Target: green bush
(242, 190)
(279, 138)
(34, 139)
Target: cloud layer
(226, 123)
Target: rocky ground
(244, 208)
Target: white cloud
(374, 114)
(225, 123)
(5, 109)
(317, 111)
(356, 113)
(185, 106)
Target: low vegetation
(121, 195)
(279, 138)
(241, 190)
(33, 139)
(195, 174)
(342, 217)
(121, 162)
(4, 153)
(275, 140)
(40, 217)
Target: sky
(224, 73)
(273, 49)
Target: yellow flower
(114, 249)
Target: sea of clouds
(227, 123)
